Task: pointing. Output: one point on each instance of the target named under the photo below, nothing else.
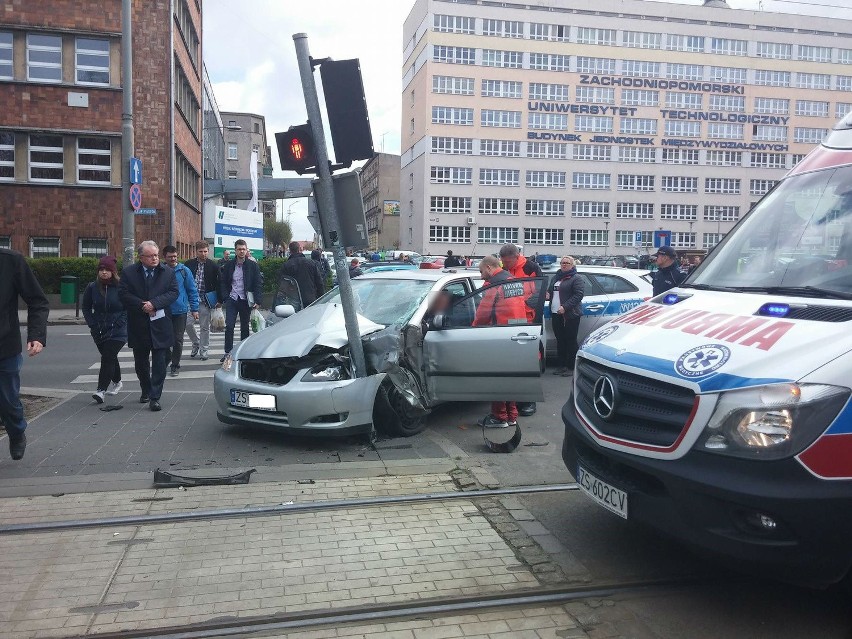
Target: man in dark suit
(147, 290)
(240, 290)
(206, 273)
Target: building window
(684, 71)
(502, 89)
(449, 204)
(44, 58)
(187, 182)
(452, 115)
(546, 179)
(503, 148)
(694, 44)
(581, 237)
(500, 119)
(92, 61)
(232, 123)
(640, 97)
(682, 239)
(505, 59)
(548, 62)
(725, 131)
(680, 184)
(587, 208)
(94, 160)
(232, 150)
(774, 50)
(547, 121)
(91, 247)
(46, 158)
(680, 156)
(232, 175)
(728, 186)
(688, 212)
(599, 66)
(5, 242)
(813, 80)
(502, 28)
(593, 123)
(44, 247)
(185, 99)
(546, 208)
(798, 157)
(595, 181)
(231, 204)
(680, 100)
(731, 75)
(549, 92)
(727, 46)
(6, 55)
(715, 213)
(497, 235)
(638, 126)
(761, 187)
(7, 155)
(640, 69)
(843, 83)
(498, 206)
(724, 158)
(814, 54)
(187, 30)
(592, 35)
(454, 24)
(772, 78)
(452, 85)
(547, 150)
(456, 146)
(770, 133)
(628, 238)
(499, 177)
(256, 127)
(842, 109)
(551, 32)
(807, 135)
(645, 155)
(595, 95)
(735, 103)
(812, 108)
(712, 239)
(642, 40)
(632, 182)
(593, 152)
(683, 129)
(453, 55)
(547, 237)
(456, 234)
(451, 175)
(775, 106)
(769, 160)
(844, 56)
(635, 210)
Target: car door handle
(524, 337)
(595, 307)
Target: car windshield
(384, 301)
(798, 239)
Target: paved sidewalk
(56, 317)
(78, 582)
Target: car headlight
(326, 373)
(771, 422)
(227, 363)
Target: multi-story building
(572, 125)
(60, 125)
(244, 133)
(213, 150)
(380, 192)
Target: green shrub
(269, 267)
(49, 270)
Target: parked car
(296, 375)
(379, 267)
(432, 261)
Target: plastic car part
(503, 447)
(165, 479)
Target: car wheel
(392, 414)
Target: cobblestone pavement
(77, 582)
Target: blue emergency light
(774, 310)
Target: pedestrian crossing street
(190, 368)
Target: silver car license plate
(608, 496)
(244, 399)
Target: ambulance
(719, 412)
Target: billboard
(391, 207)
(235, 224)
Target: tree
(277, 233)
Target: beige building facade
(380, 192)
(584, 127)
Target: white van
(719, 412)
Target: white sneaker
(114, 388)
(98, 396)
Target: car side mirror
(438, 321)
(285, 310)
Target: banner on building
(391, 207)
(236, 224)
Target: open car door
(487, 346)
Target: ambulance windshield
(798, 237)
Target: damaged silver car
(429, 337)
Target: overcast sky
(251, 59)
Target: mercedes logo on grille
(603, 397)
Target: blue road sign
(637, 238)
(662, 238)
(135, 196)
(135, 171)
(146, 211)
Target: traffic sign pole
(128, 221)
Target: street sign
(135, 196)
(637, 239)
(662, 238)
(146, 211)
(135, 171)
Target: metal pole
(325, 194)
(128, 222)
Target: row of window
(46, 156)
(50, 246)
(637, 68)
(44, 61)
(550, 92)
(556, 237)
(185, 99)
(640, 39)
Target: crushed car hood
(295, 336)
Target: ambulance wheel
(393, 416)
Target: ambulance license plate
(609, 497)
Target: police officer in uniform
(668, 275)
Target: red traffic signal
(296, 148)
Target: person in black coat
(240, 290)
(566, 316)
(107, 320)
(147, 290)
(451, 261)
(306, 273)
(667, 275)
(18, 280)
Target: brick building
(380, 192)
(60, 124)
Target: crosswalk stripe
(214, 363)
(93, 379)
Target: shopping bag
(258, 323)
(217, 320)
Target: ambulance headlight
(771, 422)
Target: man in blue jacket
(187, 302)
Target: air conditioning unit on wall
(471, 219)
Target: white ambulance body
(719, 413)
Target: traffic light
(296, 148)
